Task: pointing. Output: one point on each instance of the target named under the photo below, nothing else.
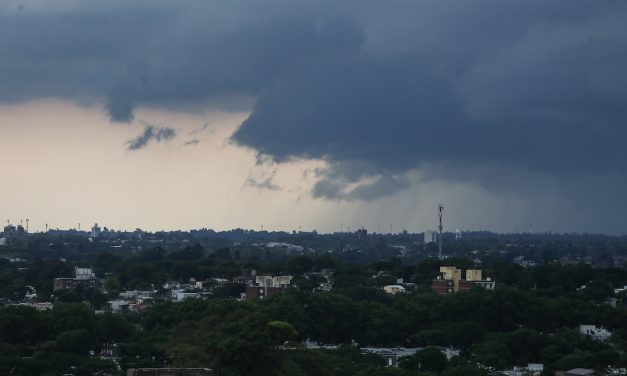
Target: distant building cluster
(520, 260)
(451, 280)
(12, 234)
(532, 369)
(391, 355)
(361, 233)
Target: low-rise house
(620, 289)
(219, 281)
(118, 306)
(247, 277)
(532, 369)
(392, 355)
(180, 295)
(596, 333)
(535, 368)
(326, 277)
(394, 289)
(43, 306)
(135, 294)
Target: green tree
(77, 342)
(430, 359)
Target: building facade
(451, 280)
(83, 277)
(265, 286)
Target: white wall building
(118, 305)
(84, 273)
(394, 289)
(596, 333)
(179, 295)
(270, 281)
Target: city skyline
(205, 114)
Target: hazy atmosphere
(314, 115)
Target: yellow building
(473, 275)
(451, 273)
(451, 280)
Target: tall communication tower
(441, 214)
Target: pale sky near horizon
(315, 115)
(66, 164)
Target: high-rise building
(95, 231)
(430, 236)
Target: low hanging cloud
(262, 178)
(265, 184)
(199, 130)
(192, 142)
(378, 90)
(151, 133)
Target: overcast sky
(321, 114)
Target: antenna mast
(441, 214)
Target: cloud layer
(378, 90)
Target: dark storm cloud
(376, 89)
(378, 186)
(538, 88)
(150, 133)
(355, 180)
(159, 53)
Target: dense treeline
(532, 316)
(495, 328)
(76, 246)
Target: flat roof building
(451, 280)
